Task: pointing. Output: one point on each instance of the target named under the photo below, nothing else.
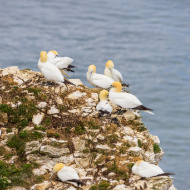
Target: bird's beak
(52, 175)
(64, 73)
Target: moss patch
(103, 185)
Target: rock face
(48, 125)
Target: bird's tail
(76, 181)
(145, 109)
(127, 85)
(68, 82)
(164, 174)
(71, 66)
(68, 69)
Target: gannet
(113, 73)
(98, 80)
(103, 106)
(67, 174)
(50, 71)
(62, 63)
(144, 169)
(124, 99)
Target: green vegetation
(93, 125)
(10, 175)
(140, 144)
(36, 91)
(103, 185)
(130, 166)
(120, 173)
(21, 115)
(52, 134)
(40, 128)
(79, 129)
(157, 149)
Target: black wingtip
(164, 174)
(127, 85)
(71, 66)
(68, 82)
(141, 107)
(76, 181)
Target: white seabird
(50, 71)
(125, 100)
(63, 63)
(98, 80)
(113, 73)
(104, 106)
(66, 174)
(146, 170)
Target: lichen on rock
(44, 125)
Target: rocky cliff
(43, 125)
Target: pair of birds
(141, 168)
(112, 79)
(106, 80)
(53, 67)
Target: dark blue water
(149, 42)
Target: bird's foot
(48, 83)
(120, 112)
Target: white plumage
(124, 99)
(104, 105)
(50, 71)
(67, 173)
(144, 169)
(61, 63)
(111, 72)
(98, 80)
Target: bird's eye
(56, 55)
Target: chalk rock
(53, 110)
(42, 170)
(78, 144)
(10, 70)
(55, 143)
(76, 95)
(37, 119)
(41, 186)
(42, 105)
(84, 162)
(104, 147)
(54, 152)
(121, 187)
(17, 188)
(32, 146)
(3, 118)
(135, 150)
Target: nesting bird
(103, 106)
(125, 100)
(66, 174)
(62, 63)
(50, 71)
(98, 80)
(113, 73)
(146, 170)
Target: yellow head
(43, 56)
(58, 167)
(138, 162)
(109, 64)
(117, 86)
(92, 68)
(55, 52)
(103, 95)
